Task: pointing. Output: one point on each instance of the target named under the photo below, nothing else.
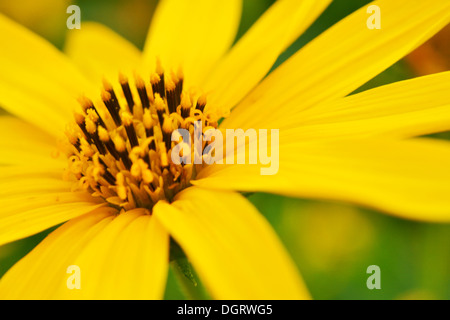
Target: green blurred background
(331, 243)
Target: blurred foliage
(45, 17)
(130, 18)
(334, 243)
(331, 243)
(433, 56)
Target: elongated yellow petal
(403, 109)
(192, 34)
(37, 82)
(43, 272)
(408, 178)
(36, 198)
(234, 250)
(341, 59)
(24, 144)
(127, 260)
(20, 181)
(32, 210)
(119, 257)
(100, 52)
(256, 52)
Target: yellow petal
(24, 144)
(32, 210)
(234, 250)
(37, 82)
(256, 52)
(192, 34)
(341, 59)
(119, 257)
(127, 260)
(19, 180)
(409, 178)
(403, 109)
(100, 52)
(41, 273)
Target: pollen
(119, 148)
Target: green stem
(187, 280)
(185, 274)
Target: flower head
(110, 112)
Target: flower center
(120, 147)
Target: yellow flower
(122, 203)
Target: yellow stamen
(121, 149)
(103, 134)
(119, 143)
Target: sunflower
(90, 143)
